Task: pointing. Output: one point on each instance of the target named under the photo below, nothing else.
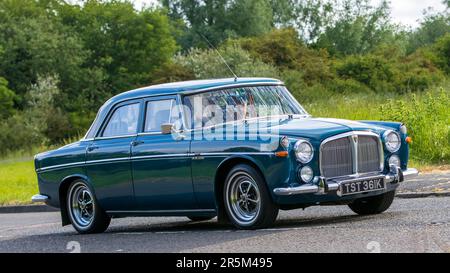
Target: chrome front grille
(368, 154)
(351, 153)
(337, 158)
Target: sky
(406, 12)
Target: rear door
(108, 162)
(160, 162)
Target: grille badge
(355, 138)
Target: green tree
(251, 17)
(357, 28)
(6, 99)
(35, 42)
(432, 27)
(218, 20)
(126, 44)
(310, 17)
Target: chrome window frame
(178, 95)
(104, 124)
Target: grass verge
(18, 182)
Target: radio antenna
(220, 55)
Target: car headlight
(394, 160)
(303, 151)
(392, 141)
(306, 174)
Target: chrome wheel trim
(81, 205)
(243, 198)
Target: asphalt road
(410, 225)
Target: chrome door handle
(91, 148)
(136, 143)
(198, 156)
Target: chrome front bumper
(325, 186)
(39, 198)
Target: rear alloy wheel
(247, 201)
(85, 214)
(373, 205)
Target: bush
(427, 117)
(208, 64)
(18, 134)
(172, 72)
(395, 73)
(286, 51)
(442, 53)
(348, 86)
(373, 71)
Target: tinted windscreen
(221, 106)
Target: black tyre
(200, 218)
(247, 200)
(84, 212)
(373, 205)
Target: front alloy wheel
(84, 212)
(247, 201)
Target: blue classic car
(239, 149)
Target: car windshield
(237, 104)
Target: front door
(161, 162)
(108, 162)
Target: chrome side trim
(60, 166)
(159, 211)
(160, 156)
(39, 198)
(234, 153)
(103, 161)
(115, 137)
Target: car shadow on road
(173, 236)
(281, 224)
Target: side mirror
(167, 128)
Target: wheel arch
(62, 192)
(222, 170)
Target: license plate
(361, 186)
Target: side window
(124, 121)
(158, 113)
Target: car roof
(190, 87)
